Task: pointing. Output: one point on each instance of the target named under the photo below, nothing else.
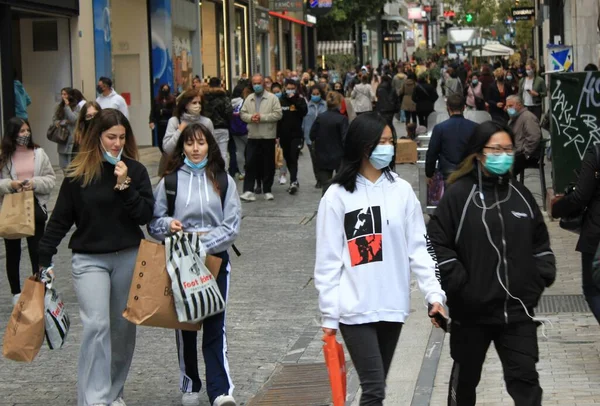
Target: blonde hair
(87, 165)
(334, 100)
(499, 72)
(531, 63)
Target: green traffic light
(469, 18)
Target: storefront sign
(392, 38)
(262, 21)
(523, 13)
(319, 7)
(287, 5)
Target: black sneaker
(293, 188)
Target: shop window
(45, 36)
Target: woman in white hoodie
(370, 236)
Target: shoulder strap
(223, 183)
(171, 191)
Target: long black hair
(363, 136)
(216, 163)
(9, 141)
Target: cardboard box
(406, 151)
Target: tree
(483, 12)
(337, 25)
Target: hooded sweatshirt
(22, 100)
(172, 134)
(237, 126)
(198, 207)
(367, 244)
(113, 101)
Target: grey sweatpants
(102, 284)
(240, 151)
(222, 138)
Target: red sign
(449, 13)
(427, 9)
(127, 97)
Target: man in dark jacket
(289, 129)
(387, 100)
(425, 97)
(528, 133)
(217, 107)
(449, 140)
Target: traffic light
(469, 18)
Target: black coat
(472, 261)
(425, 97)
(387, 100)
(493, 98)
(448, 144)
(217, 107)
(328, 134)
(293, 112)
(585, 195)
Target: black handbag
(574, 222)
(58, 134)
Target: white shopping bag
(56, 319)
(195, 290)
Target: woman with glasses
(495, 261)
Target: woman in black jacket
(425, 97)
(328, 133)
(585, 196)
(494, 257)
(387, 100)
(496, 97)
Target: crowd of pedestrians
(484, 257)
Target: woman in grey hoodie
(189, 107)
(66, 115)
(203, 205)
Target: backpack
(171, 191)
(237, 125)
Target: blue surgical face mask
(509, 78)
(258, 89)
(511, 111)
(315, 99)
(109, 158)
(290, 92)
(382, 156)
(499, 164)
(475, 81)
(199, 165)
(278, 94)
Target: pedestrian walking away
(238, 130)
(109, 98)
(206, 202)
(406, 94)
(316, 106)
(424, 97)
(217, 107)
(24, 166)
(160, 114)
(585, 198)
(106, 193)
(86, 114)
(495, 261)
(261, 111)
(328, 134)
(188, 111)
(366, 248)
(66, 115)
(289, 130)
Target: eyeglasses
(498, 149)
(89, 116)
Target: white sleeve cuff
(329, 322)
(436, 297)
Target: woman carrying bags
(107, 194)
(189, 107)
(370, 236)
(207, 203)
(24, 166)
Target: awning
(475, 43)
(335, 47)
(494, 49)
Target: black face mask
(164, 92)
(305, 81)
(99, 89)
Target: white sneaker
(269, 196)
(190, 399)
(16, 299)
(224, 400)
(282, 180)
(248, 197)
(118, 402)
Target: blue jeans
(590, 290)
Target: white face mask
(194, 109)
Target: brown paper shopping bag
(25, 330)
(279, 160)
(17, 215)
(150, 301)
